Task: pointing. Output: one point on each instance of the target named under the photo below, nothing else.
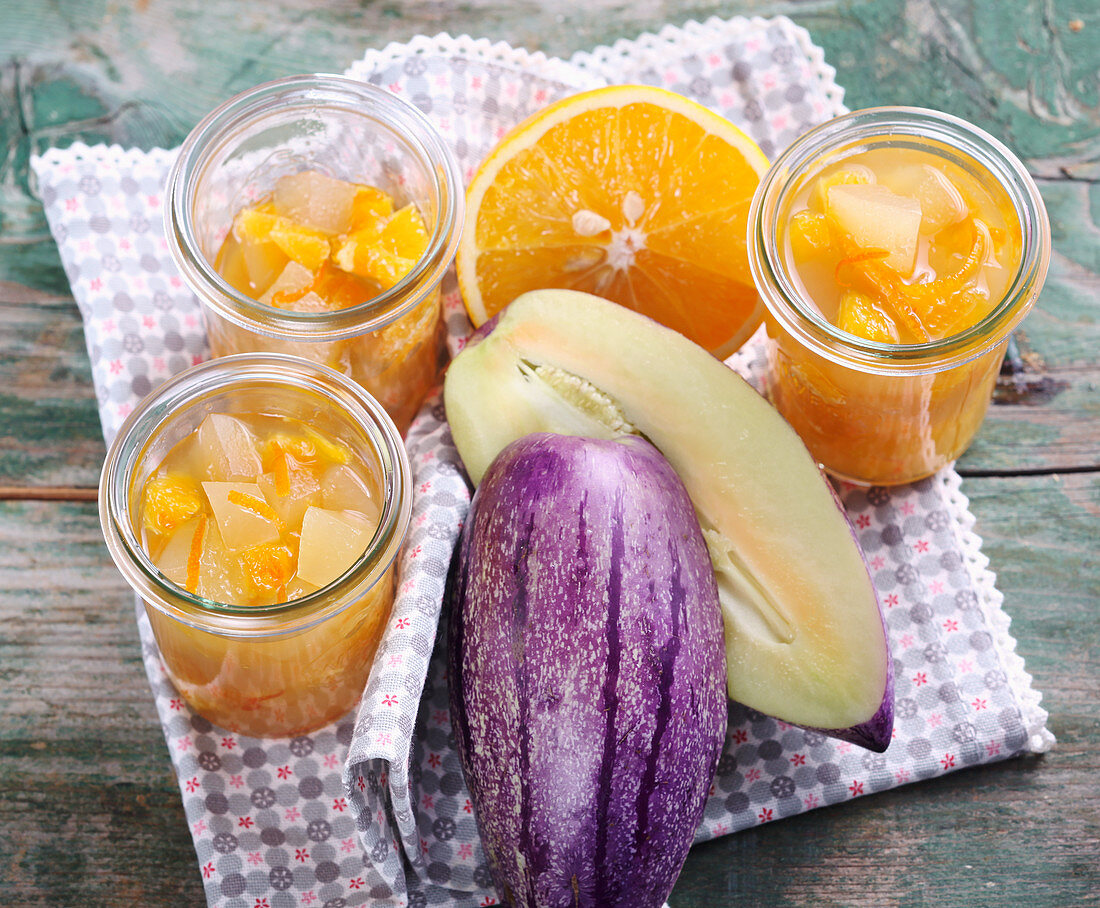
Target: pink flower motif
(720, 829)
(856, 788)
(811, 801)
(429, 802)
(153, 201)
(878, 563)
(935, 720)
(936, 586)
(95, 284)
(284, 772)
(863, 521)
(434, 760)
(331, 761)
(401, 623)
(246, 822)
(199, 827)
(798, 760)
(347, 845)
(906, 641)
(993, 748)
(907, 508)
(765, 815)
(468, 807)
(921, 545)
(843, 747)
(740, 736)
(71, 204)
(208, 870)
(948, 761)
(361, 783)
(902, 776)
(115, 366)
(440, 717)
(300, 854)
(920, 678)
(339, 804)
(465, 851)
(425, 487)
(395, 659)
(951, 625)
(183, 743)
(978, 703)
(487, 901)
(254, 857)
(965, 665)
(262, 903)
(891, 600)
(753, 775)
(384, 739)
(308, 898)
(229, 743)
(192, 783)
(389, 700)
(236, 781)
(292, 814)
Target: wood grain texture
(90, 813)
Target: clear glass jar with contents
(895, 249)
(256, 504)
(315, 216)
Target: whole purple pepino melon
(587, 671)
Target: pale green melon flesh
(804, 635)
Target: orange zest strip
(195, 555)
(281, 471)
(256, 506)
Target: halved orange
(633, 193)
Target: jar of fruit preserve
(260, 665)
(895, 250)
(316, 215)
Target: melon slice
(804, 633)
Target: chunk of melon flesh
(220, 577)
(244, 517)
(292, 281)
(228, 449)
(877, 218)
(332, 542)
(302, 490)
(315, 200)
(173, 558)
(941, 204)
(344, 489)
(804, 634)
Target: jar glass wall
(882, 411)
(288, 667)
(390, 341)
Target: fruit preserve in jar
(315, 216)
(256, 504)
(895, 249)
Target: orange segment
(384, 251)
(170, 501)
(630, 192)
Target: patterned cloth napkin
(373, 808)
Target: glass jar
(392, 343)
(875, 412)
(287, 668)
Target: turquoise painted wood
(89, 810)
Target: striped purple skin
(587, 671)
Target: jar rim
(219, 376)
(786, 303)
(311, 92)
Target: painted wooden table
(90, 813)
